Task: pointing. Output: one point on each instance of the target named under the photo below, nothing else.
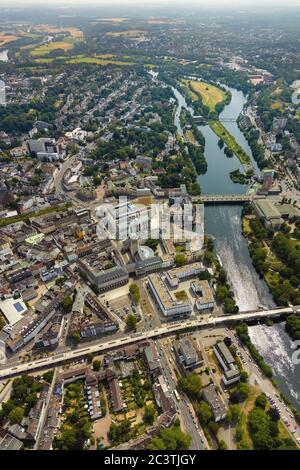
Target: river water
(223, 223)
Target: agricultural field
(210, 94)
(132, 33)
(75, 33)
(230, 141)
(7, 38)
(45, 49)
(98, 60)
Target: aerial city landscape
(150, 227)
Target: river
(276, 347)
(223, 223)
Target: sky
(140, 3)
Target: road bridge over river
(223, 199)
(167, 329)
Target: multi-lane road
(257, 379)
(168, 329)
(189, 420)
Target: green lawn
(210, 94)
(230, 141)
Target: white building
(127, 220)
(77, 134)
(13, 310)
(2, 93)
(205, 299)
(169, 305)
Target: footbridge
(227, 119)
(167, 329)
(203, 120)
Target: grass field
(131, 33)
(210, 94)
(7, 38)
(45, 49)
(246, 408)
(190, 137)
(75, 33)
(97, 61)
(83, 60)
(276, 105)
(246, 226)
(230, 141)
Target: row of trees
(171, 439)
(24, 395)
(242, 332)
(264, 430)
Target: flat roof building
(265, 209)
(205, 298)
(228, 364)
(166, 300)
(13, 310)
(217, 406)
(188, 354)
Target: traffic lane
(265, 385)
(190, 421)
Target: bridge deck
(48, 362)
(223, 198)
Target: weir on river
(223, 223)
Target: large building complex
(169, 305)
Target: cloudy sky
(204, 3)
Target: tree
(16, 415)
(156, 443)
(222, 445)
(76, 337)
(233, 414)
(67, 439)
(135, 292)
(175, 439)
(274, 414)
(149, 415)
(204, 412)
(261, 401)
(67, 303)
(259, 429)
(131, 321)
(191, 385)
(244, 376)
(180, 259)
(96, 365)
(239, 394)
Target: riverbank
(230, 141)
(224, 225)
(274, 344)
(275, 256)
